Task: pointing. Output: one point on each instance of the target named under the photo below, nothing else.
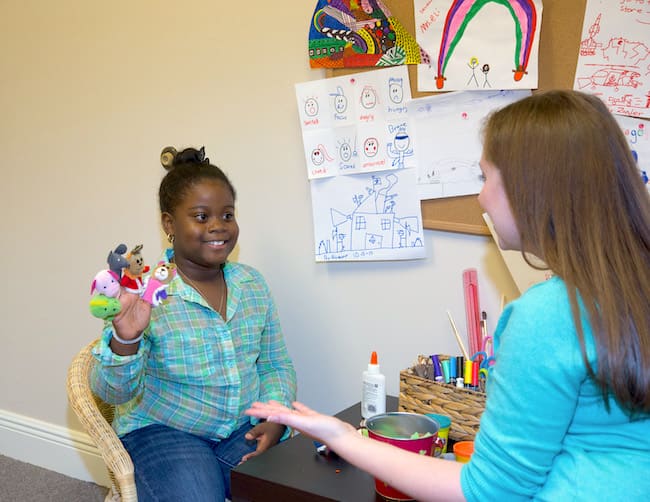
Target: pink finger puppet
(107, 283)
(156, 288)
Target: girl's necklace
(198, 290)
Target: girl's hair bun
(167, 157)
(170, 157)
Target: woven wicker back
(96, 416)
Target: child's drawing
(349, 33)
(361, 162)
(400, 147)
(637, 132)
(340, 100)
(356, 123)
(466, 33)
(614, 57)
(447, 131)
(396, 90)
(367, 217)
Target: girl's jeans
(171, 465)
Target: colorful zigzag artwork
(358, 33)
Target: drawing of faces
(371, 147)
(396, 90)
(345, 151)
(402, 141)
(340, 101)
(311, 107)
(368, 97)
(319, 155)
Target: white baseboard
(51, 446)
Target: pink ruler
(472, 310)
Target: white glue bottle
(373, 397)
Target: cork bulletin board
(559, 43)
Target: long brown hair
(580, 205)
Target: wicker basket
(463, 406)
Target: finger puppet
(132, 276)
(156, 289)
(106, 282)
(116, 259)
(104, 307)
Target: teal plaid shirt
(193, 371)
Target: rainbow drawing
(462, 12)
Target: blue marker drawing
(400, 148)
(373, 221)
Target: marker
(445, 370)
(467, 375)
(452, 370)
(475, 368)
(437, 368)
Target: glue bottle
(373, 398)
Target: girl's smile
(204, 226)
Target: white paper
(477, 44)
(367, 217)
(637, 133)
(446, 130)
(361, 162)
(356, 123)
(614, 60)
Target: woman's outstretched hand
(324, 428)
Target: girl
(567, 415)
(184, 372)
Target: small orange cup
(463, 451)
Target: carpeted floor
(22, 482)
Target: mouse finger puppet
(116, 260)
(156, 289)
(132, 277)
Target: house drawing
(372, 223)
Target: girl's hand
(133, 318)
(266, 434)
(323, 428)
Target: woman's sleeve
(532, 394)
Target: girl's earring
(170, 238)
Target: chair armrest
(85, 406)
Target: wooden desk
(293, 471)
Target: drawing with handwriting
(373, 222)
(614, 56)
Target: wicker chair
(96, 417)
